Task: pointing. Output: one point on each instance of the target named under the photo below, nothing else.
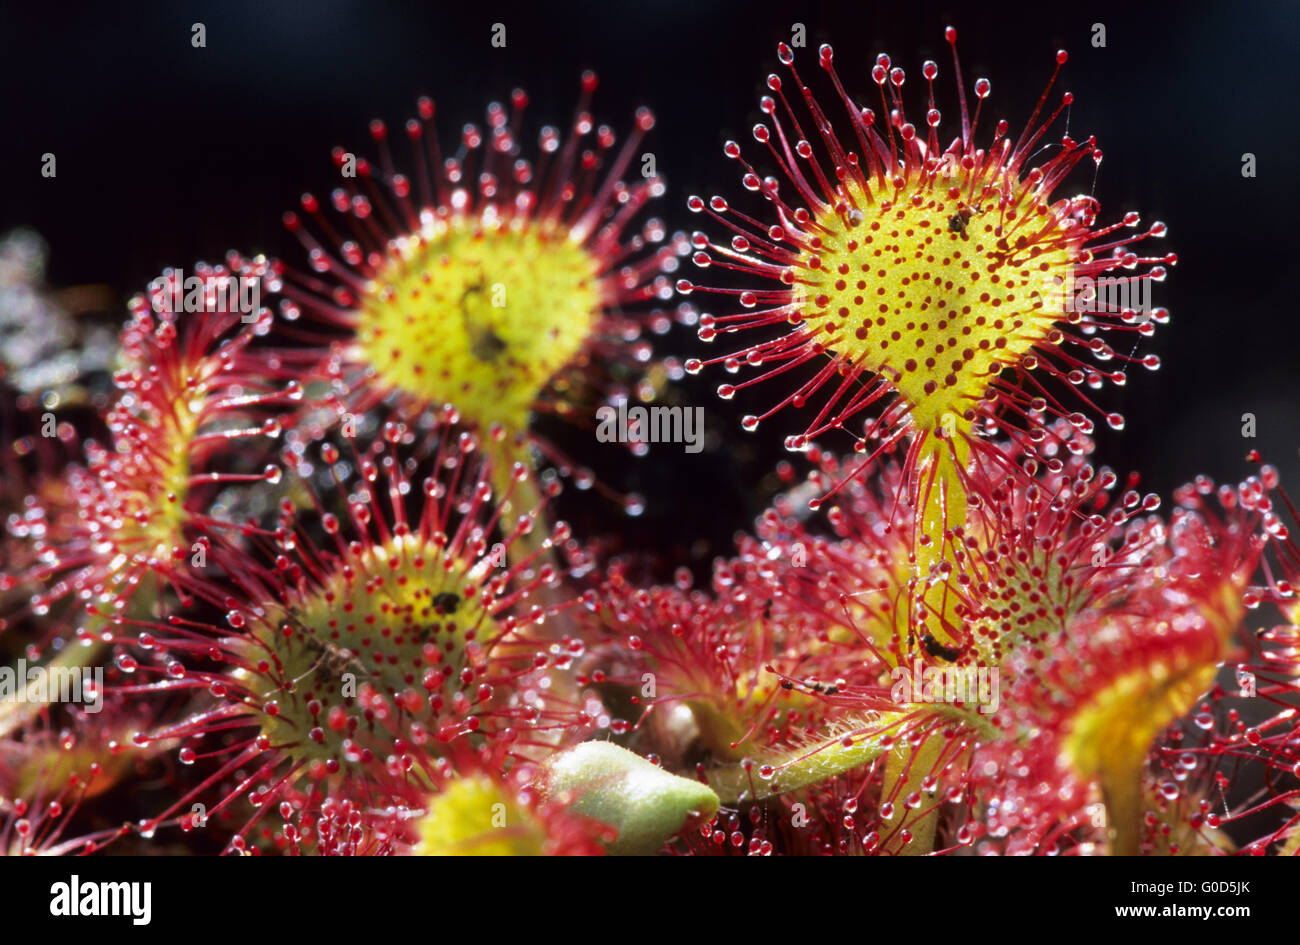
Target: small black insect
(446, 602)
(333, 661)
(940, 651)
(811, 685)
(958, 221)
(484, 343)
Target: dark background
(169, 154)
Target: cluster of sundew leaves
(402, 657)
(107, 532)
(973, 559)
(1119, 651)
(107, 535)
(409, 601)
(422, 612)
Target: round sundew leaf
(500, 308)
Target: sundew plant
(345, 544)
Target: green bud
(647, 805)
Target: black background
(168, 154)
(1092, 891)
